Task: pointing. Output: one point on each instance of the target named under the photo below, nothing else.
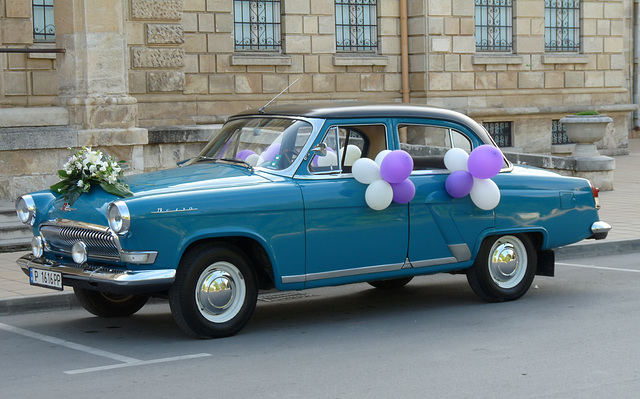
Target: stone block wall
(527, 86)
(25, 79)
(185, 68)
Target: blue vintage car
(272, 203)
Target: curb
(67, 300)
(38, 303)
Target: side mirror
(320, 150)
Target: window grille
(501, 132)
(356, 25)
(257, 25)
(494, 25)
(44, 30)
(562, 25)
(559, 133)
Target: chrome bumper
(600, 230)
(104, 279)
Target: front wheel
(103, 304)
(504, 269)
(215, 292)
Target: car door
(346, 241)
(443, 230)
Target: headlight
(37, 247)
(26, 209)
(119, 217)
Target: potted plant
(586, 129)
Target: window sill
(565, 59)
(497, 59)
(260, 59)
(360, 60)
(47, 46)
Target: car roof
(343, 110)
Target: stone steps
(14, 235)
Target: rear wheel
(103, 304)
(215, 292)
(504, 269)
(391, 283)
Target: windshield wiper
(235, 161)
(203, 158)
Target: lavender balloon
(270, 153)
(396, 166)
(404, 191)
(485, 162)
(244, 154)
(459, 183)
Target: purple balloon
(459, 183)
(403, 192)
(270, 153)
(485, 162)
(396, 166)
(244, 154)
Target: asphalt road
(572, 336)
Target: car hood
(91, 207)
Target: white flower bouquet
(86, 167)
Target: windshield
(272, 143)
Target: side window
(346, 144)
(428, 144)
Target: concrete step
(13, 245)
(8, 215)
(14, 231)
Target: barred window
(44, 30)
(356, 25)
(562, 25)
(494, 25)
(257, 25)
(500, 131)
(559, 133)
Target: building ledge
(565, 59)
(497, 59)
(32, 117)
(360, 60)
(260, 59)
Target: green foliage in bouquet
(86, 167)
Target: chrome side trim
(460, 251)
(122, 278)
(301, 278)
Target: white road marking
(617, 269)
(125, 361)
(139, 363)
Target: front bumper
(104, 279)
(600, 230)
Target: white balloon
(331, 159)
(456, 159)
(366, 171)
(381, 156)
(253, 159)
(352, 155)
(379, 195)
(485, 194)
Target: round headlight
(26, 209)
(37, 248)
(119, 217)
(79, 252)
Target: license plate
(46, 278)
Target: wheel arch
(250, 247)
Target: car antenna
(261, 109)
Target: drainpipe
(636, 58)
(404, 50)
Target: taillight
(595, 191)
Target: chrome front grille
(60, 236)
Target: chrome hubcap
(508, 262)
(220, 292)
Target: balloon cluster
(387, 177)
(471, 174)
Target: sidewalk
(619, 209)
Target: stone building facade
(131, 68)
